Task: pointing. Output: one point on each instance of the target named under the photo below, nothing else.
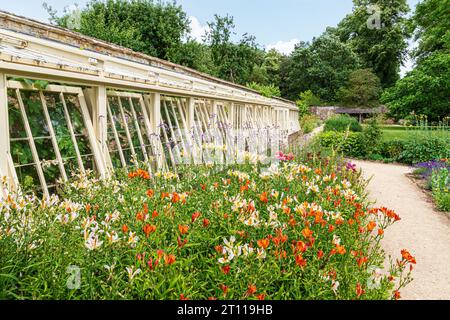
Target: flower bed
(295, 231)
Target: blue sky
(275, 23)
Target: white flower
(133, 239)
(92, 242)
(112, 237)
(132, 273)
(260, 253)
(334, 286)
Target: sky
(278, 24)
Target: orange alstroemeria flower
(169, 259)
(183, 229)
(261, 297)
(371, 226)
(125, 228)
(408, 257)
(397, 295)
(264, 197)
(263, 243)
(150, 193)
(206, 223)
(149, 229)
(300, 261)
(307, 233)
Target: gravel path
(424, 231)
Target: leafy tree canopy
(322, 66)
(377, 31)
(424, 91)
(363, 89)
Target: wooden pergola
(118, 108)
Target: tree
(424, 91)
(235, 62)
(266, 90)
(196, 55)
(377, 31)
(322, 67)
(432, 27)
(154, 28)
(363, 89)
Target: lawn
(402, 133)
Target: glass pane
(21, 152)
(115, 159)
(60, 126)
(34, 110)
(28, 177)
(73, 106)
(16, 127)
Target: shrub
(371, 137)
(348, 143)
(342, 123)
(391, 149)
(440, 182)
(308, 123)
(424, 148)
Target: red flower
(397, 295)
(206, 223)
(226, 269)
(359, 290)
(182, 297)
(261, 296)
(150, 193)
(251, 290)
(125, 228)
(300, 261)
(195, 216)
(140, 216)
(154, 214)
(224, 289)
(181, 244)
(175, 197)
(320, 254)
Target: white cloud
(197, 30)
(285, 47)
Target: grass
(403, 133)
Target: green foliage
(425, 148)
(348, 143)
(423, 91)
(154, 28)
(310, 99)
(322, 66)
(371, 137)
(432, 28)
(440, 183)
(363, 89)
(235, 62)
(266, 90)
(391, 150)
(381, 48)
(195, 55)
(342, 123)
(308, 123)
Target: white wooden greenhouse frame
(123, 98)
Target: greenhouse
(70, 103)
